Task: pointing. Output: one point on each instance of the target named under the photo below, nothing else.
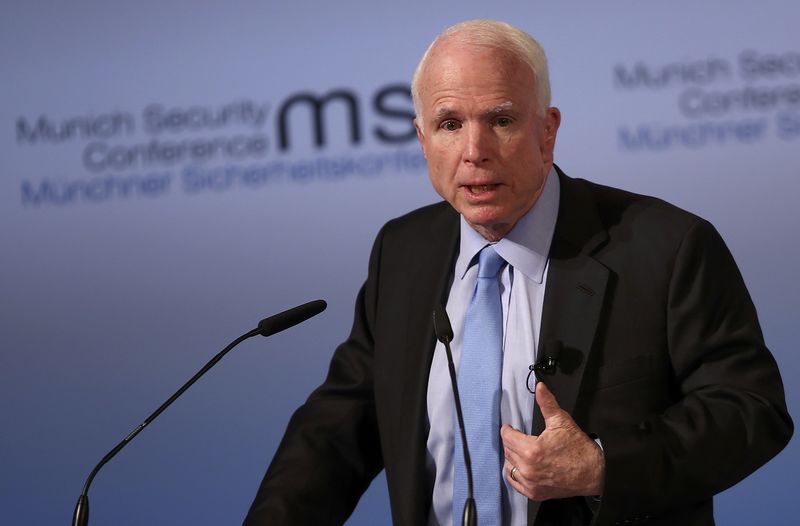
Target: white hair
(498, 35)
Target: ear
(552, 120)
(420, 136)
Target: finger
(517, 478)
(512, 457)
(517, 448)
(518, 482)
(547, 402)
(513, 439)
(510, 435)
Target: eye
(450, 125)
(503, 122)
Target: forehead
(457, 74)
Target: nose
(477, 147)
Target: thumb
(547, 402)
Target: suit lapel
(576, 286)
(572, 306)
(430, 266)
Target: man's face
(488, 152)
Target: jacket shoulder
(423, 223)
(615, 205)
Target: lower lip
(481, 194)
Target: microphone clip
(544, 367)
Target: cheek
(442, 166)
(438, 175)
(443, 182)
(532, 153)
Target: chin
(483, 218)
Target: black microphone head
(441, 325)
(290, 318)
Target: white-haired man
(661, 395)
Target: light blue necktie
(479, 375)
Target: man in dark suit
(663, 393)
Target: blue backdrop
(174, 171)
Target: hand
(561, 462)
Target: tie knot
(489, 263)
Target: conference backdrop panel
(174, 171)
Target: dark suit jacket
(663, 360)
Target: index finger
(514, 440)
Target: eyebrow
(502, 108)
(443, 112)
(446, 111)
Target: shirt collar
(527, 246)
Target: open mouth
(479, 189)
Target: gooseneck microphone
(444, 333)
(287, 319)
(266, 327)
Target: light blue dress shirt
(522, 286)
